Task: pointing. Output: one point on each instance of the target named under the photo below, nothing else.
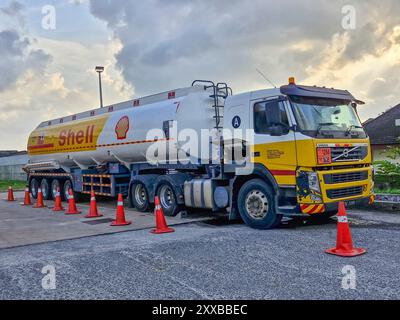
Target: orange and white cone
(57, 204)
(71, 204)
(93, 212)
(120, 214)
(10, 195)
(39, 201)
(161, 224)
(27, 198)
(344, 243)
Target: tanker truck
(293, 151)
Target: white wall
(11, 167)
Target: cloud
(17, 57)
(14, 9)
(13, 14)
(157, 45)
(46, 78)
(167, 44)
(16, 52)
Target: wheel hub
(166, 197)
(257, 204)
(140, 195)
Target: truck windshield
(326, 118)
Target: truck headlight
(313, 181)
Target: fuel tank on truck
(119, 133)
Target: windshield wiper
(349, 129)
(323, 124)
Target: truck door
(274, 139)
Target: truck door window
(262, 124)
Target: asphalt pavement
(210, 260)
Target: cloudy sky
(156, 45)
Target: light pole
(99, 70)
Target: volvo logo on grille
(346, 153)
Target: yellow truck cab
(309, 148)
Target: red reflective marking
(283, 172)
(43, 146)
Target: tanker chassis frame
(212, 187)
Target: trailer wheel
(140, 197)
(168, 201)
(257, 206)
(65, 190)
(33, 187)
(45, 186)
(55, 186)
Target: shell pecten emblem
(122, 128)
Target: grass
(17, 185)
(387, 191)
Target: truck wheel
(168, 201)
(140, 197)
(257, 206)
(65, 190)
(44, 185)
(33, 188)
(55, 186)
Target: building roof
(383, 129)
(8, 153)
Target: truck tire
(140, 197)
(256, 205)
(68, 185)
(33, 187)
(166, 194)
(45, 186)
(55, 186)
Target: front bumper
(326, 208)
(328, 187)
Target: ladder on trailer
(220, 91)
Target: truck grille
(344, 154)
(344, 192)
(345, 177)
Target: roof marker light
(171, 95)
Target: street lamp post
(99, 70)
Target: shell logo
(122, 127)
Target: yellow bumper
(339, 185)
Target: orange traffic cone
(71, 204)
(93, 212)
(120, 216)
(39, 200)
(10, 196)
(58, 205)
(344, 243)
(27, 198)
(161, 224)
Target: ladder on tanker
(220, 91)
